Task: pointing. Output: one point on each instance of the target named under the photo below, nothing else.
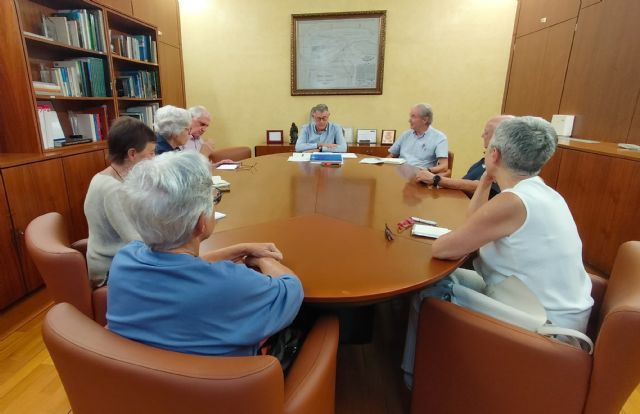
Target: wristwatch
(436, 180)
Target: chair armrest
(310, 385)
(498, 367)
(99, 300)
(81, 246)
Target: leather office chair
(469, 362)
(63, 266)
(103, 372)
(231, 153)
(449, 170)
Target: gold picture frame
(354, 41)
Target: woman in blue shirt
(163, 294)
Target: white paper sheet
(300, 157)
(227, 167)
(219, 215)
(425, 230)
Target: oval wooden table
(329, 224)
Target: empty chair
(63, 266)
(469, 362)
(231, 153)
(103, 372)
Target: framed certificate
(388, 137)
(275, 136)
(366, 136)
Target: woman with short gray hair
(172, 126)
(525, 235)
(164, 294)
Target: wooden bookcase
(35, 180)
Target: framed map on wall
(337, 53)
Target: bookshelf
(36, 179)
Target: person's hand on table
(260, 250)
(327, 145)
(267, 265)
(425, 176)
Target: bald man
(470, 181)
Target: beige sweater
(109, 228)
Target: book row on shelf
(82, 77)
(87, 125)
(138, 47)
(138, 84)
(82, 28)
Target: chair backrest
(616, 359)
(63, 269)
(103, 372)
(231, 153)
(449, 170)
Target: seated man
(422, 145)
(321, 135)
(200, 121)
(526, 231)
(470, 181)
(163, 294)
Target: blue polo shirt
(421, 150)
(186, 304)
(475, 173)
(310, 138)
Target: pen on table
(423, 221)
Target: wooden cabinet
(538, 68)
(171, 77)
(164, 14)
(78, 172)
(601, 192)
(603, 78)
(32, 190)
(535, 15)
(123, 6)
(634, 131)
(12, 286)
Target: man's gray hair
(165, 196)
(198, 111)
(319, 108)
(171, 121)
(525, 143)
(425, 111)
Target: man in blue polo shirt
(321, 135)
(470, 181)
(422, 145)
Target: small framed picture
(366, 136)
(388, 137)
(275, 136)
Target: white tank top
(545, 253)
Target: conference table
(329, 224)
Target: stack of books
(138, 84)
(326, 158)
(145, 113)
(50, 128)
(74, 77)
(139, 47)
(81, 28)
(91, 123)
(220, 184)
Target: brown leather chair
(467, 362)
(63, 266)
(103, 372)
(449, 170)
(231, 153)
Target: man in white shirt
(200, 121)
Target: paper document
(424, 230)
(227, 167)
(348, 155)
(220, 184)
(300, 157)
(219, 215)
(394, 161)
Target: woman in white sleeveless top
(526, 231)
